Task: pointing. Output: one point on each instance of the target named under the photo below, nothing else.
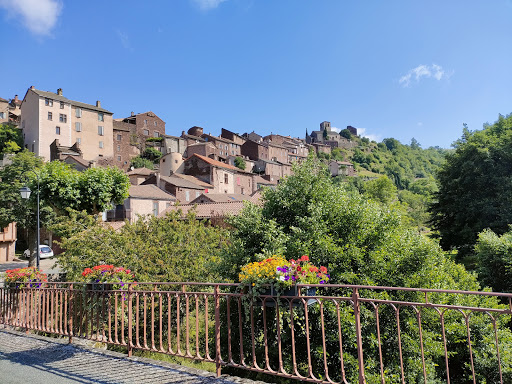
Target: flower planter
(291, 295)
(100, 287)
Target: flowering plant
(284, 273)
(100, 274)
(301, 271)
(262, 272)
(29, 277)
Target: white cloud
(336, 129)
(39, 16)
(362, 132)
(433, 71)
(206, 5)
(125, 41)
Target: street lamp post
(25, 194)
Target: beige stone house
(4, 111)
(7, 243)
(142, 200)
(47, 116)
(225, 178)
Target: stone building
(184, 190)
(223, 177)
(133, 134)
(47, 116)
(329, 137)
(4, 111)
(7, 243)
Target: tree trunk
(32, 248)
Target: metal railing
(338, 334)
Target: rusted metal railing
(340, 334)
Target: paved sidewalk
(40, 360)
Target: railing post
(71, 314)
(217, 330)
(130, 335)
(359, 340)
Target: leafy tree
(152, 154)
(60, 187)
(239, 162)
(381, 189)
(325, 134)
(361, 242)
(346, 134)
(11, 139)
(494, 260)
(415, 144)
(475, 187)
(139, 162)
(155, 248)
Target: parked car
(44, 252)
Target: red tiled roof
(215, 163)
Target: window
(145, 122)
(155, 208)
(61, 105)
(156, 134)
(79, 140)
(118, 148)
(146, 132)
(167, 205)
(2, 115)
(32, 147)
(101, 131)
(198, 194)
(50, 116)
(101, 144)
(78, 127)
(226, 178)
(118, 158)
(187, 195)
(100, 116)
(119, 137)
(78, 112)
(48, 102)
(63, 118)
(155, 123)
(57, 130)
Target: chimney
(157, 179)
(98, 104)
(32, 87)
(133, 113)
(59, 91)
(16, 98)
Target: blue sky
(391, 68)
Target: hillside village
(214, 174)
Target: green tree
(381, 189)
(11, 139)
(494, 260)
(139, 162)
(475, 187)
(346, 134)
(60, 187)
(239, 162)
(158, 249)
(152, 154)
(360, 242)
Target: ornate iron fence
(338, 334)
